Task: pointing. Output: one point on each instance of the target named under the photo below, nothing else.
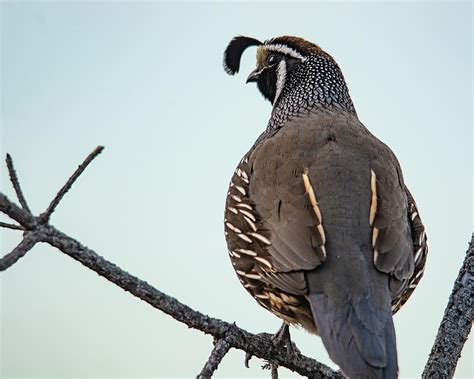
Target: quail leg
(282, 338)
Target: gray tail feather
(358, 338)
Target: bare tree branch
(220, 350)
(16, 184)
(260, 345)
(29, 240)
(44, 217)
(6, 225)
(442, 362)
(274, 371)
(456, 323)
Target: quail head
(320, 226)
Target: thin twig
(456, 323)
(44, 217)
(20, 215)
(16, 184)
(10, 226)
(220, 350)
(29, 240)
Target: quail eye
(272, 59)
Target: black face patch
(266, 82)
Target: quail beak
(253, 77)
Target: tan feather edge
(373, 202)
(314, 203)
(373, 212)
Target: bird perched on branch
(320, 226)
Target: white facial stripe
(284, 50)
(281, 77)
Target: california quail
(320, 226)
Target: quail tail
(359, 338)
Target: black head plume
(234, 51)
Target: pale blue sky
(146, 81)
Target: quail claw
(282, 339)
(248, 357)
